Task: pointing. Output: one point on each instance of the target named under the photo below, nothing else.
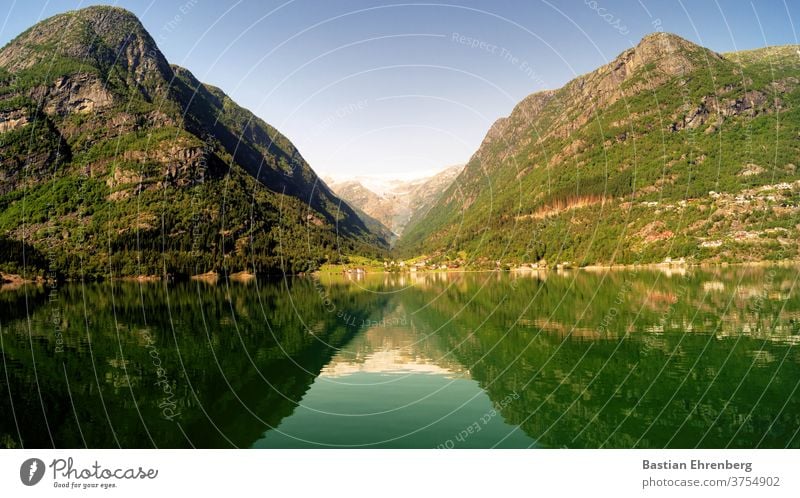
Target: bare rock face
(179, 164)
(399, 203)
(670, 53)
(179, 168)
(13, 119)
(751, 169)
(123, 183)
(183, 166)
(715, 109)
(655, 231)
(81, 93)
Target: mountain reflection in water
(641, 358)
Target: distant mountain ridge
(395, 204)
(116, 163)
(669, 151)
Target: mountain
(669, 151)
(116, 162)
(395, 204)
(364, 201)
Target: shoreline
(648, 266)
(10, 281)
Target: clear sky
(385, 88)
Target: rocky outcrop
(13, 119)
(179, 164)
(751, 169)
(79, 93)
(123, 183)
(714, 110)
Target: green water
(620, 359)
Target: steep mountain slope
(114, 162)
(398, 203)
(421, 195)
(671, 150)
(362, 200)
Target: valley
(116, 163)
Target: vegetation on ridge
(115, 163)
(669, 151)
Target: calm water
(577, 359)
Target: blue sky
(385, 88)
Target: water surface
(646, 358)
